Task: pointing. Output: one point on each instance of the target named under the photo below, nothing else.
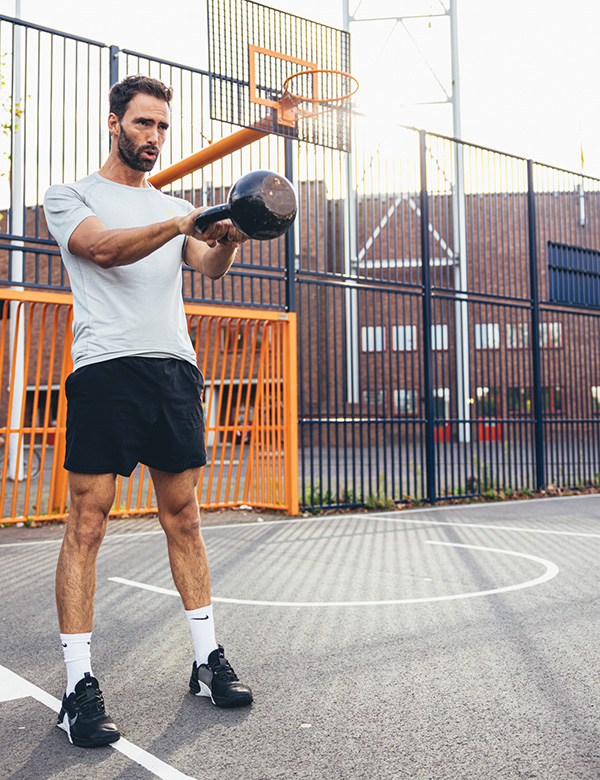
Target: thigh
(91, 499)
(176, 493)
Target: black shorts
(135, 410)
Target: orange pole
(213, 152)
(290, 389)
(60, 477)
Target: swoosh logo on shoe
(204, 618)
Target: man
(135, 391)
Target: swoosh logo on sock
(204, 618)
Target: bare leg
(92, 496)
(180, 519)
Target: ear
(114, 125)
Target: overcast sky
(528, 68)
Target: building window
(439, 337)
(441, 403)
(518, 400)
(551, 335)
(373, 397)
(487, 335)
(405, 401)
(487, 402)
(517, 335)
(596, 399)
(552, 400)
(573, 275)
(373, 338)
(233, 338)
(42, 403)
(404, 338)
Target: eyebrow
(142, 118)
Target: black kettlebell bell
(261, 204)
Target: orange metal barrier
(248, 359)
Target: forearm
(112, 248)
(213, 262)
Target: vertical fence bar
(290, 241)
(540, 454)
(427, 320)
(114, 65)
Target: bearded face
(140, 158)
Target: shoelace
(91, 702)
(223, 671)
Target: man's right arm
(113, 247)
(77, 228)
(123, 246)
(120, 246)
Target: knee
(85, 538)
(183, 523)
(86, 527)
(91, 498)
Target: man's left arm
(213, 251)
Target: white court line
(381, 517)
(375, 516)
(14, 687)
(451, 523)
(551, 570)
(107, 538)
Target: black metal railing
(447, 293)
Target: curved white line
(551, 570)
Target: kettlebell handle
(211, 215)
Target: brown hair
(123, 91)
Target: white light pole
(459, 230)
(350, 264)
(17, 228)
(459, 244)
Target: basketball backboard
(254, 49)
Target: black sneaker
(84, 718)
(217, 679)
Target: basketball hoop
(315, 91)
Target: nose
(152, 135)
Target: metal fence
(448, 295)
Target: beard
(132, 156)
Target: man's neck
(116, 170)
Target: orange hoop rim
(337, 101)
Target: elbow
(105, 264)
(214, 276)
(217, 270)
(101, 257)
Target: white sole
(64, 725)
(204, 691)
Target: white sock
(76, 650)
(202, 626)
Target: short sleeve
(64, 210)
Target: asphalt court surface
(434, 644)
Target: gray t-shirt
(130, 310)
